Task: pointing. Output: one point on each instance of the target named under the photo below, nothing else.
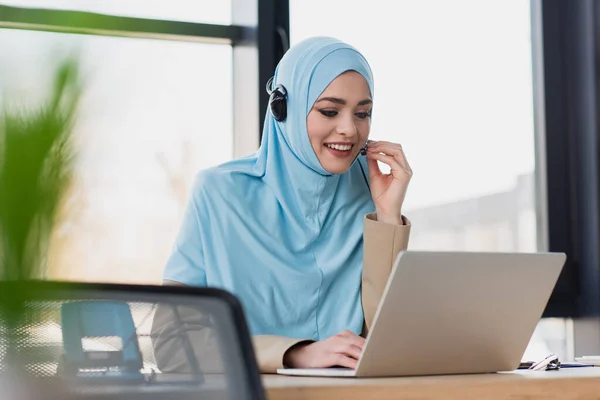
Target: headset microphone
(363, 151)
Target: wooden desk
(571, 383)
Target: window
(453, 85)
(153, 114)
(207, 11)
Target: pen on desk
(576, 365)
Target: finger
(349, 350)
(392, 149)
(374, 169)
(403, 161)
(352, 338)
(343, 361)
(389, 160)
(380, 145)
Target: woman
(283, 228)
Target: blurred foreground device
(106, 341)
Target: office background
(494, 102)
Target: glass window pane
(153, 114)
(207, 11)
(453, 85)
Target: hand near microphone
(388, 190)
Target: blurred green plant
(36, 163)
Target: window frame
(258, 35)
(566, 38)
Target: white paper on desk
(589, 360)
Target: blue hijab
(275, 228)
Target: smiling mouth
(340, 147)
(339, 150)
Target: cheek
(317, 130)
(364, 129)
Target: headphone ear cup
(277, 100)
(278, 105)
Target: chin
(337, 169)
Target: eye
(329, 113)
(363, 115)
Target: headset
(278, 107)
(277, 100)
(363, 152)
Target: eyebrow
(337, 100)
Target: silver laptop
(454, 313)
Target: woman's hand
(388, 190)
(341, 350)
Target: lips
(340, 150)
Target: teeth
(342, 147)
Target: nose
(346, 125)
